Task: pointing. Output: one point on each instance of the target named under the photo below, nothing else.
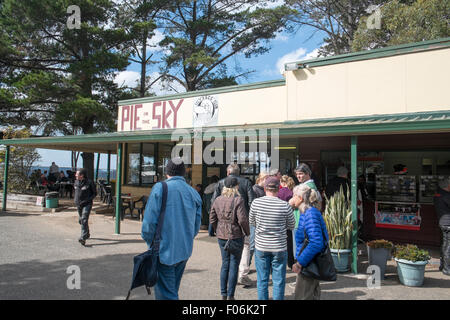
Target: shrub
(375, 244)
(412, 253)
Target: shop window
(165, 151)
(134, 160)
(148, 168)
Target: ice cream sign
(170, 114)
(149, 116)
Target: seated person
(62, 177)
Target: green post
(354, 195)
(98, 165)
(109, 167)
(118, 187)
(5, 179)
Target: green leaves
(405, 22)
(338, 219)
(411, 252)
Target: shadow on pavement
(106, 277)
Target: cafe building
(384, 114)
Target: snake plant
(338, 219)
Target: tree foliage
(337, 19)
(21, 160)
(201, 37)
(405, 22)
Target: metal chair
(141, 209)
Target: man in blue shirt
(181, 225)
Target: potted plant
(338, 219)
(411, 262)
(379, 252)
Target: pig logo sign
(205, 111)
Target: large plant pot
(379, 257)
(411, 273)
(341, 259)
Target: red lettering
(175, 111)
(166, 116)
(136, 118)
(125, 108)
(155, 116)
(131, 118)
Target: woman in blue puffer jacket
(311, 223)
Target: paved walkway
(36, 250)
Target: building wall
(397, 84)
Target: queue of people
(270, 221)
(247, 221)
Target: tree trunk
(88, 164)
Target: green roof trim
(373, 54)
(190, 94)
(370, 124)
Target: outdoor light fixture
(295, 66)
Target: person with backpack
(181, 225)
(230, 223)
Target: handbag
(321, 266)
(145, 271)
(232, 247)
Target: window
(133, 163)
(146, 162)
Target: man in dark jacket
(247, 193)
(442, 206)
(336, 183)
(85, 192)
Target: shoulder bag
(145, 271)
(321, 266)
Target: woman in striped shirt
(272, 218)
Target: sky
(284, 48)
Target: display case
(401, 188)
(395, 215)
(428, 186)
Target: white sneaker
(245, 281)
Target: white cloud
(281, 37)
(290, 57)
(297, 55)
(127, 78)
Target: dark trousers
(290, 250)
(445, 250)
(230, 268)
(83, 217)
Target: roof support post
(96, 170)
(5, 178)
(109, 167)
(119, 187)
(354, 202)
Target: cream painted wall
(397, 84)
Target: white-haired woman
(311, 238)
(229, 220)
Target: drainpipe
(5, 178)
(354, 195)
(118, 187)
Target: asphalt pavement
(41, 259)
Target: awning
(425, 122)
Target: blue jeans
(83, 217)
(169, 279)
(230, 268)
(276, 261)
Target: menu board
(399, 188)
(397, 215)
(428, 187)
